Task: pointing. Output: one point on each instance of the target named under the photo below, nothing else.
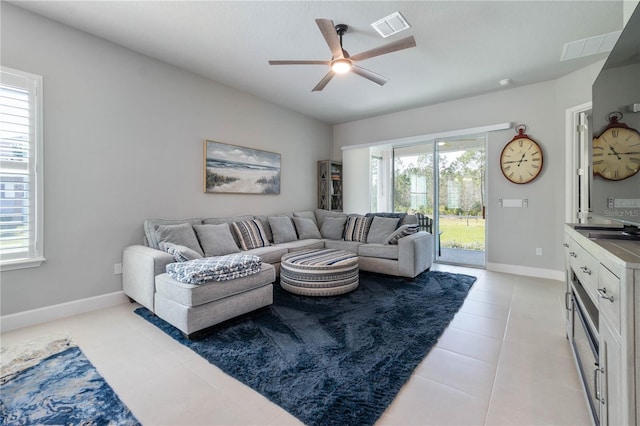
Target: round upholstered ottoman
(324, 272)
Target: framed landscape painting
(236, 170)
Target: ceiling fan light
(341, 66)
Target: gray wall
(513, 233)
(123, 142)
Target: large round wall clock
(521, 158)
(616, 152)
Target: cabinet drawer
(609, 296)
(586, 268)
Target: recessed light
(506, 82)
(390, 25)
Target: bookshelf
(330, 185)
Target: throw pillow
(357, 228)
(264, 220)
(216, 240)
(308, 215)
(381, 228)
(400, 216)
(333, 228)
(306, 228)
(282, 229)
(322, 214)
(181, 234)
(251, 234)
(401, 232)
(179, 253)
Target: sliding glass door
(460, 220)
(444, 180)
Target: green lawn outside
(462, 233)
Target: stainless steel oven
(584, 339)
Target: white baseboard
(527, 271)
(63, 310)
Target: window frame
(35, 257)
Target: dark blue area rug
(51, 382)
(335, 360)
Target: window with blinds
(20, 179)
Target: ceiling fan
(342, 62)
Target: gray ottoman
(325, 272)
(192, 308)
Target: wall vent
(589, 46)
(390, 25)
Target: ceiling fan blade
(404, 43)
(324, 81)
(286, 62)
(369, 75)
(328, 30)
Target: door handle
(585, 270)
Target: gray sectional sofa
(386, 245)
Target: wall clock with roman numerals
(616, 152)
(521, 158)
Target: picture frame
(232, 169)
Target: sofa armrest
(140, 265)
(415, 253)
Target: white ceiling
(463, 47)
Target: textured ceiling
(463, 48)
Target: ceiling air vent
(589, 46)
(390, 25)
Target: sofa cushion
(333, 227)
(181, 234)
(179, 253)
(196, 295)
(216, 240)
(151, 234)
(219, 268)
(321, 214)
(351, 246)
(381, 228)
(410, 219)
(384, 251)
(302, 245)
(271, 254)
(307, 215)
(401, 232)
(251, 234)
(282, 229)
(357, 228)
(306, 228)
(221, 220)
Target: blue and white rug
(50, 381)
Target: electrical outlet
(117, 269)
(538, 251)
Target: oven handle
(596, 382)
(567, 300)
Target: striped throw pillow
(357, 228)
(250, 234)
(401, 232)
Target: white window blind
(20, 177)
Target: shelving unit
(330, 185)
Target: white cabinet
(610, 392)
(603, 275)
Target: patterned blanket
(218, 268)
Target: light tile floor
(504, 360)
